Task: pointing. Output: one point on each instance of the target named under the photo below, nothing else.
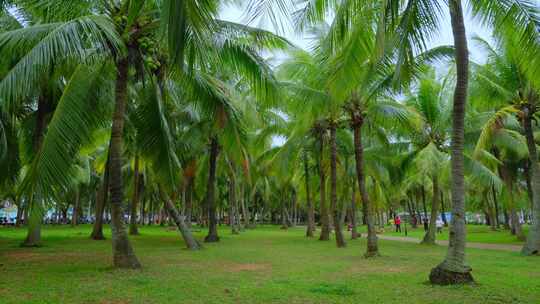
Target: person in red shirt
(397, 222)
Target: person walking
(439, 223)
(397, 222)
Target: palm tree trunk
(532, 245)
(189, 200)
(528, 183)
(245, 210)
(233, 206)
(423, 192)
(340, 240)
(101, 199)
(443, 212)
(372, 244)
(33, 237)
(190, 241)
(325, 220)
(133, 230)
(76, 207)
(123, 255)
(496, 204)
(429, 237)
(354, 232)
(20, 210)
(210, 190)
(311, 212)
(454, 270)
(491, 212)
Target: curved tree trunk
(210, 190)
(325, 220)
(372, 243)
(429, 237)
(340, 240)
(123, 255)
(190, 241)
(532, 245)
(454, 270)
(101, 199)
(133, 230)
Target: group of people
(438, 223)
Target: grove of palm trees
(269, 151)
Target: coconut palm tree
(430, 100)
(504, 84)
(413, 23)
(113, 39)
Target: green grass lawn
(265, 265)
(475, 233)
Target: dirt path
(503, 247)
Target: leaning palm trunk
(454, 270)
(123, 255)
(101, 199)
(191, 242)
(429, 237)
(532, 246)
(133, 230)
(340, 240)
(357, 120)
(210, 189)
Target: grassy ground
(475, 233)
(266, 265)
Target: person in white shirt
(439, 223)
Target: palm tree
(114, 43)
(430, 100)
(504, 84)
(416, 21)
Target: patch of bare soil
(248, 267)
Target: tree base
(126, 262)
(133, 231)
(440, 276)
(324, 238)
(26, 244)
(526, 251)
(372, 254)
(211, 239)
(97, 237)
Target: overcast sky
(474, 28)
